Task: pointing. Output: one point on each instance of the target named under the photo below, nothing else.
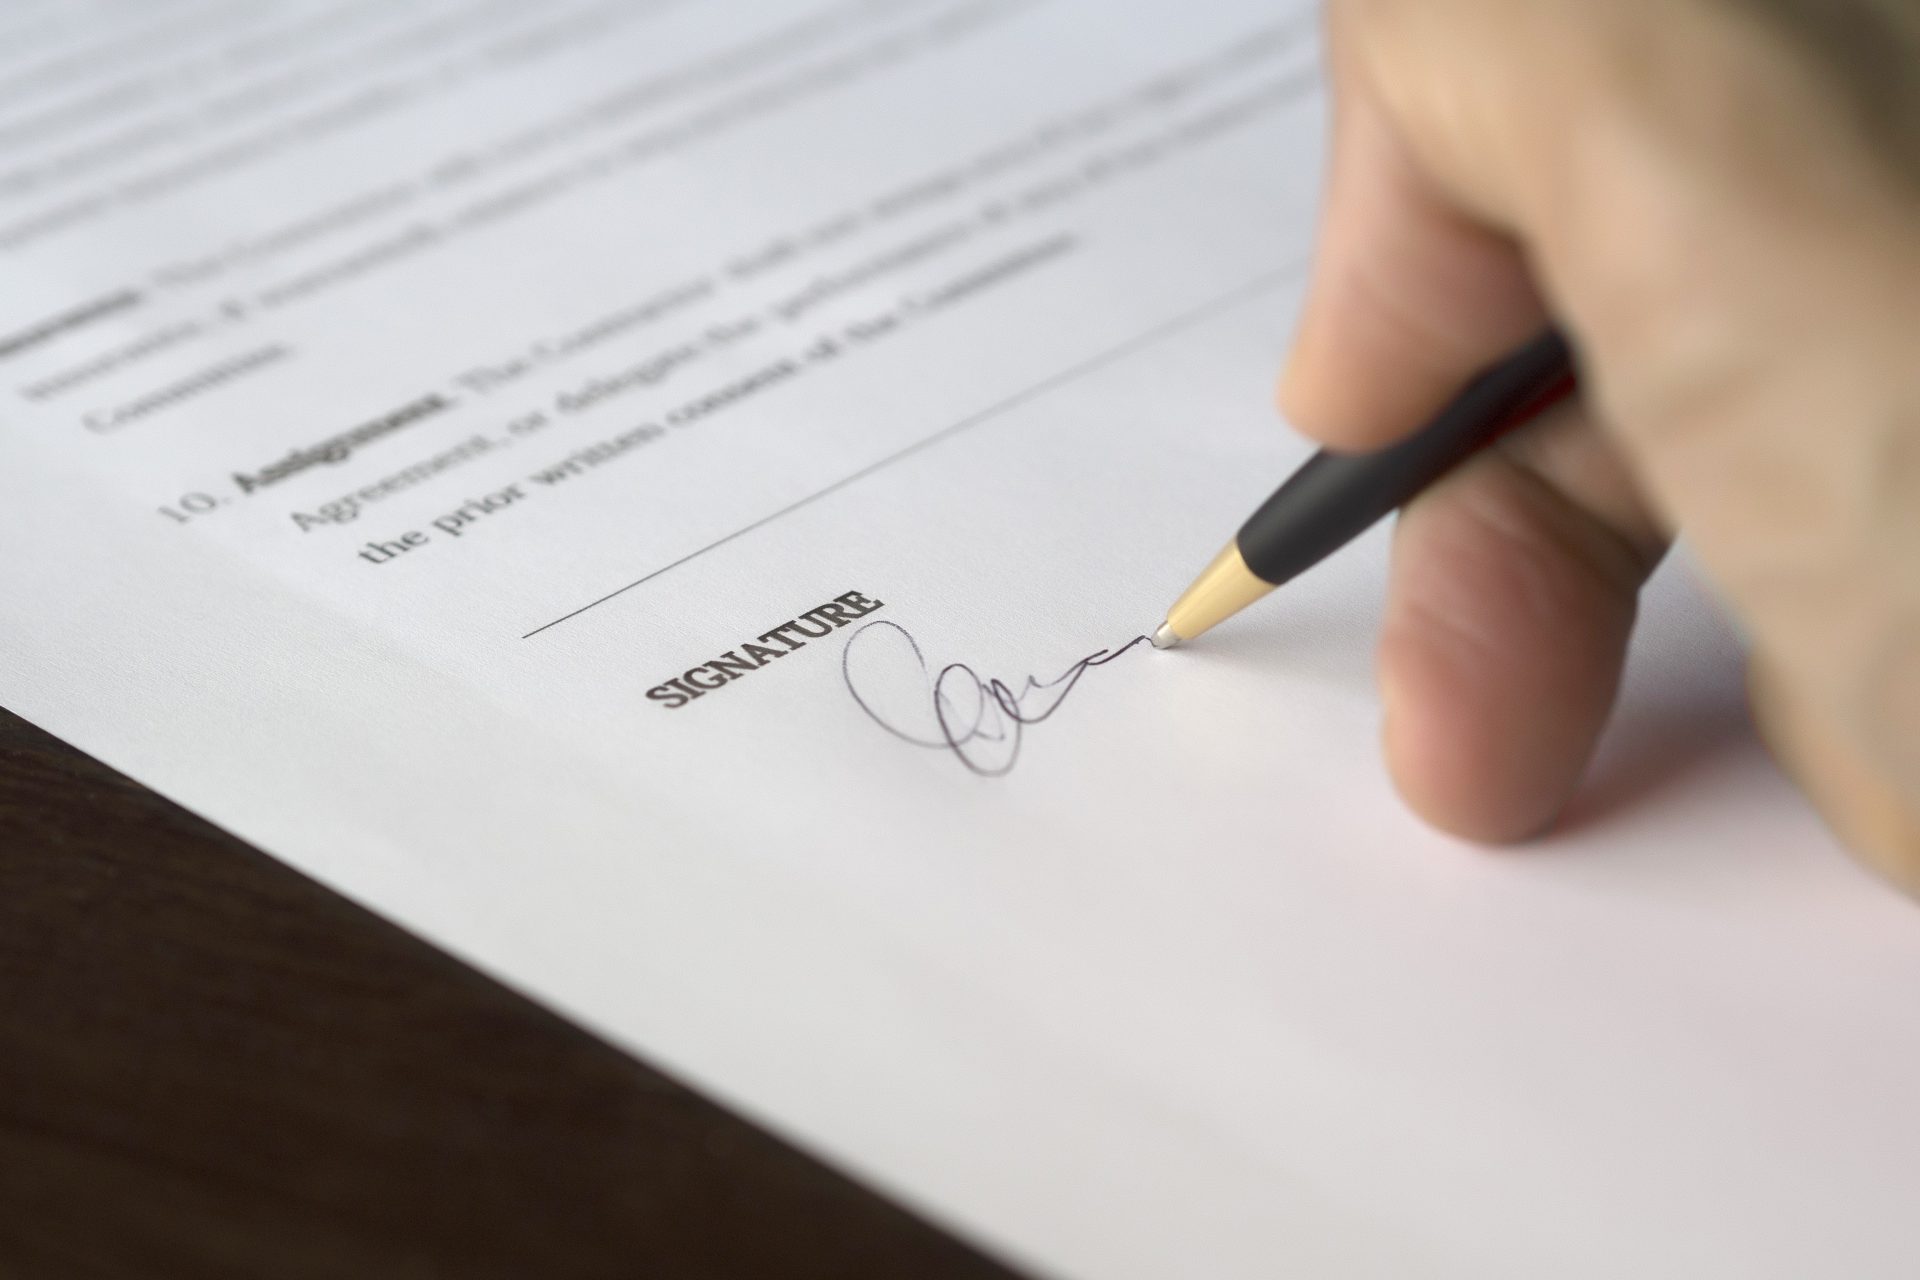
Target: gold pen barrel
(1224, 589)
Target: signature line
(1260, 284)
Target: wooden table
(209, 1065)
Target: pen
(1335, 497)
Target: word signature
(981, 721)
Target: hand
(1693, 192)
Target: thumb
(1405, 279)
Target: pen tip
(1166, 637)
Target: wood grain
(211, 1066)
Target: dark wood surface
(211, 1066)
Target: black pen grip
(1336, 497)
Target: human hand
(1728, 228)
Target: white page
(969, 307)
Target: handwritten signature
(981, 721)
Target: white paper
(969, 307)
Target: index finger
(1411, 293)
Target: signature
(981, 721)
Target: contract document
(662, 498)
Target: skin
(1728, 226)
